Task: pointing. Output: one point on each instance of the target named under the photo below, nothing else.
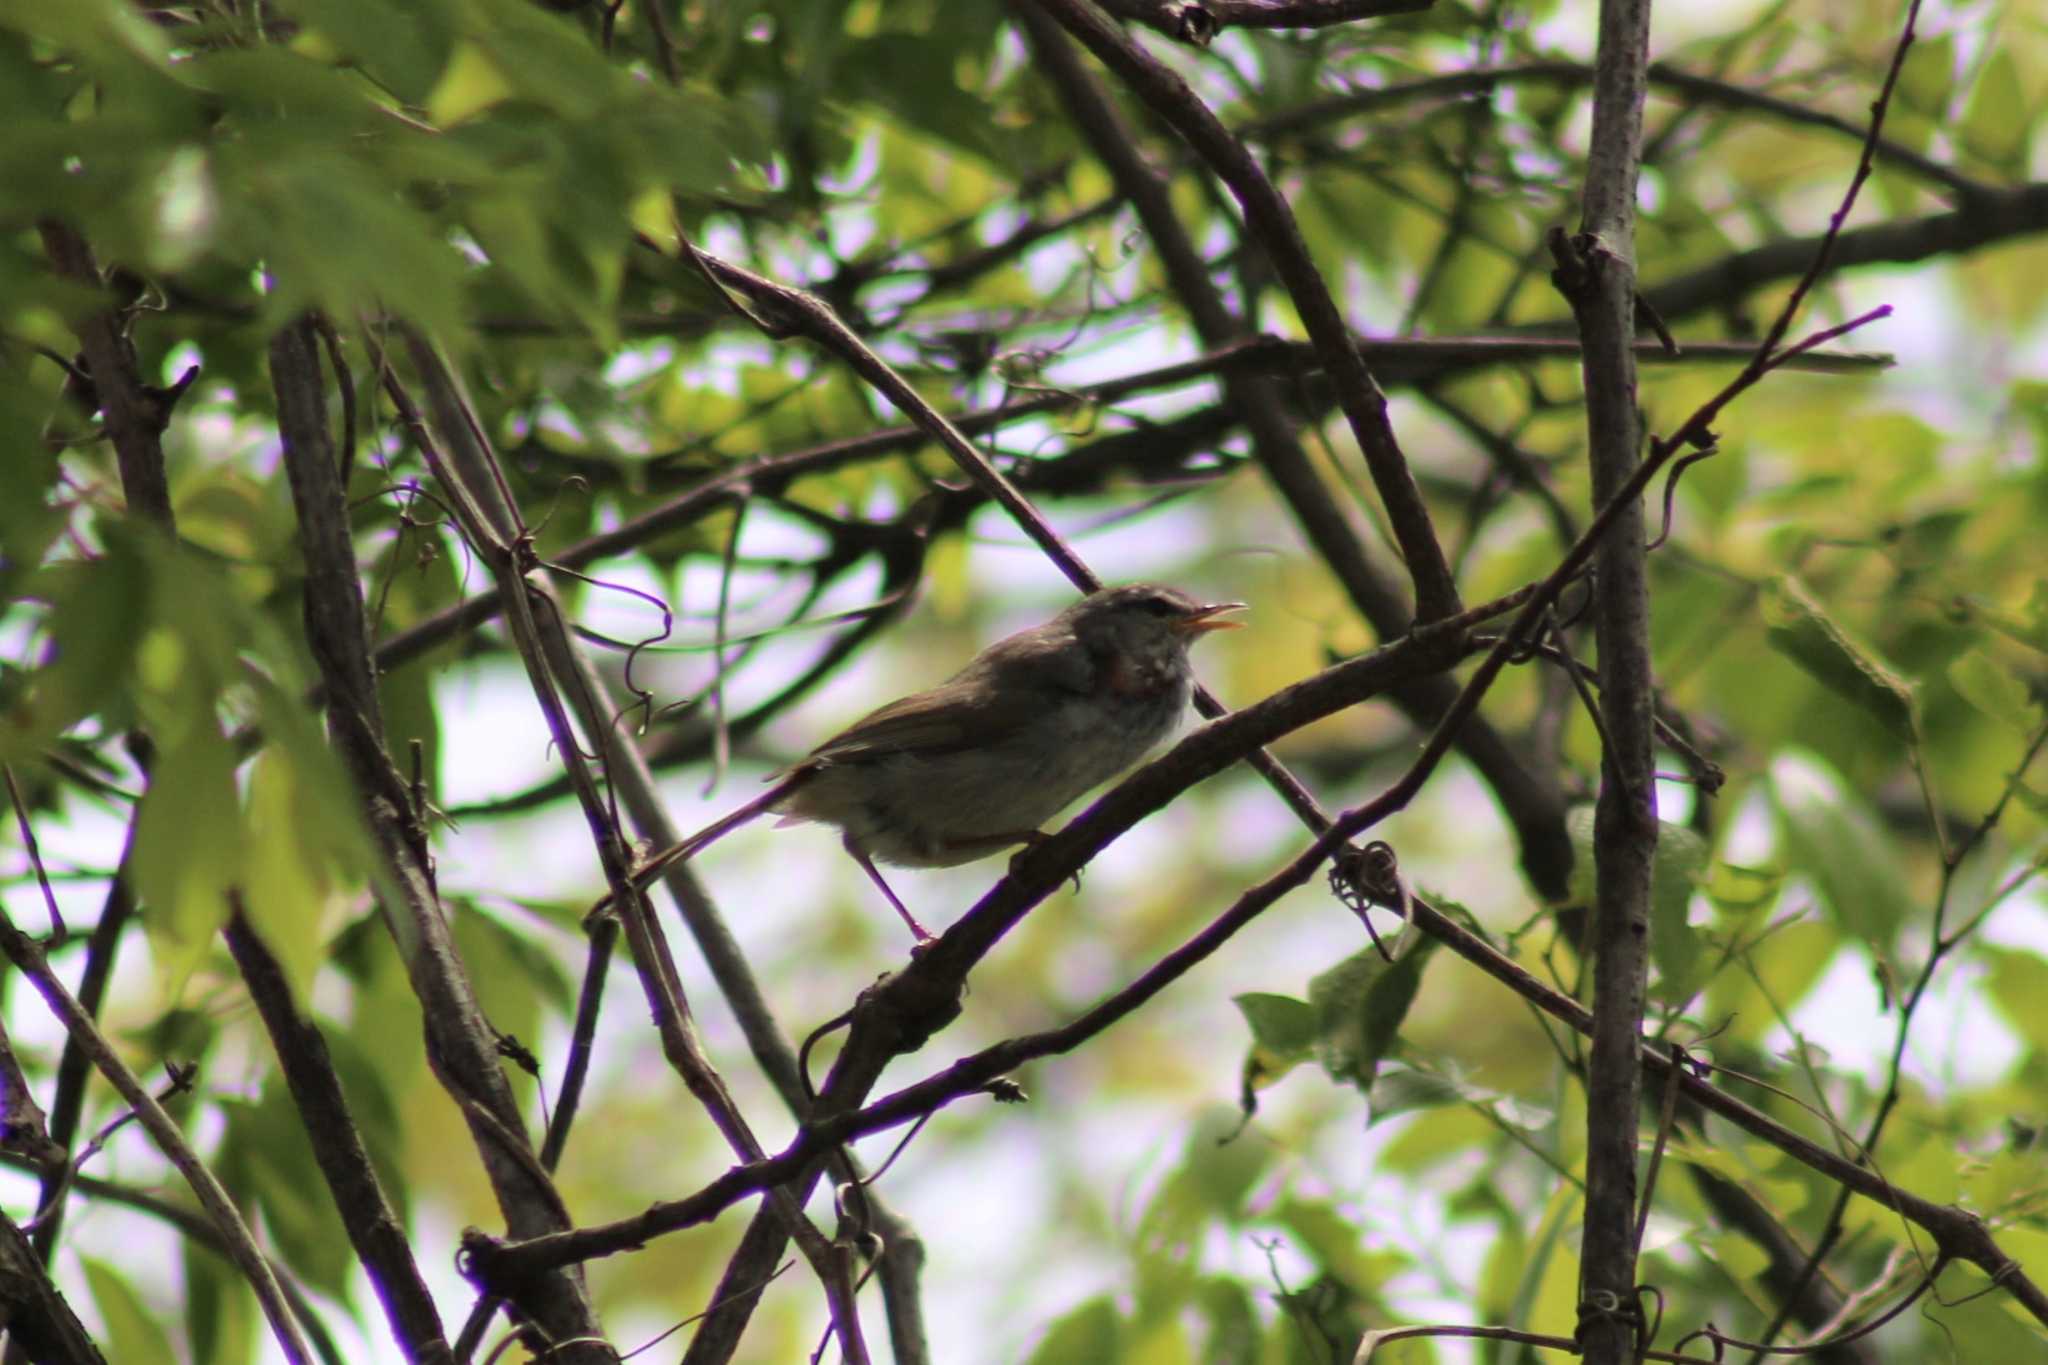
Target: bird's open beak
(1204, 618)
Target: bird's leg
(1030, 838)
(867, 865)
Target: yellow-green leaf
(1801, 629)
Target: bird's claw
(1031, 840)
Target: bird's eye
(1160, 606)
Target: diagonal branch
(460, 1045)
(134, 414)
(373, 1228)
(40, 1322)
(27, 956)
(461, 458)
(1532, 800)
(1271, 224)
(1705, 90)
(1985, 220)
(902, 1011)
(1199, 21)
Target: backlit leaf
(1801, 629)
(1835, 843)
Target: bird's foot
(1031, 839)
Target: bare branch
(27, 956)
(1596, 272)
(460, 1045)
(1271, 223)
(1199, 21)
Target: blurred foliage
(1851, 624)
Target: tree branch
(476, 488)
(1271, 224)
(461, 1047)
(1596, 272)
(1704, 89)
(1199, 21)
(38, 1320)
(27, 956)
(373, 1229)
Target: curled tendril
(1362, 878)
(1678, 467)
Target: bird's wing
(986, 703)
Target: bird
(978, 763)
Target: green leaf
(1995, 690)
(1359, 1006)
(134, 1329)
(1233, 1322)
(188, 849)
(378, 1117)
(1738, 1256)
(404, 43)
(895, 71)
(274, 90)
(287, 879)
(1836, 843)
(102, 32)
(1337, 1245)
(1283, 1028)
(1740, 892)
(1788, 962)
(2018, 987)
(338, 236)
(220, 1313)
(1927, 78)
(266, 1156)
(514, 975)
(1405, 1089)
(1090, 1335)
(1801, 629)
(1210, 1185)
(544, 56)
(1995, 123)
(1679, 869)
(1578, 827)
(1222, 1172)
(94, 610)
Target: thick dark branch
(134, 413)
(1271, 224)
(37, 1318)
(461, 1047)
(1702, 89)
(1199, 21)
(1815, 1303)
(1596, 272)
(1531, 799)
(366, 1215)
(28, 958)
(1984, 221)
(474, 484)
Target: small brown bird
(978, 763)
